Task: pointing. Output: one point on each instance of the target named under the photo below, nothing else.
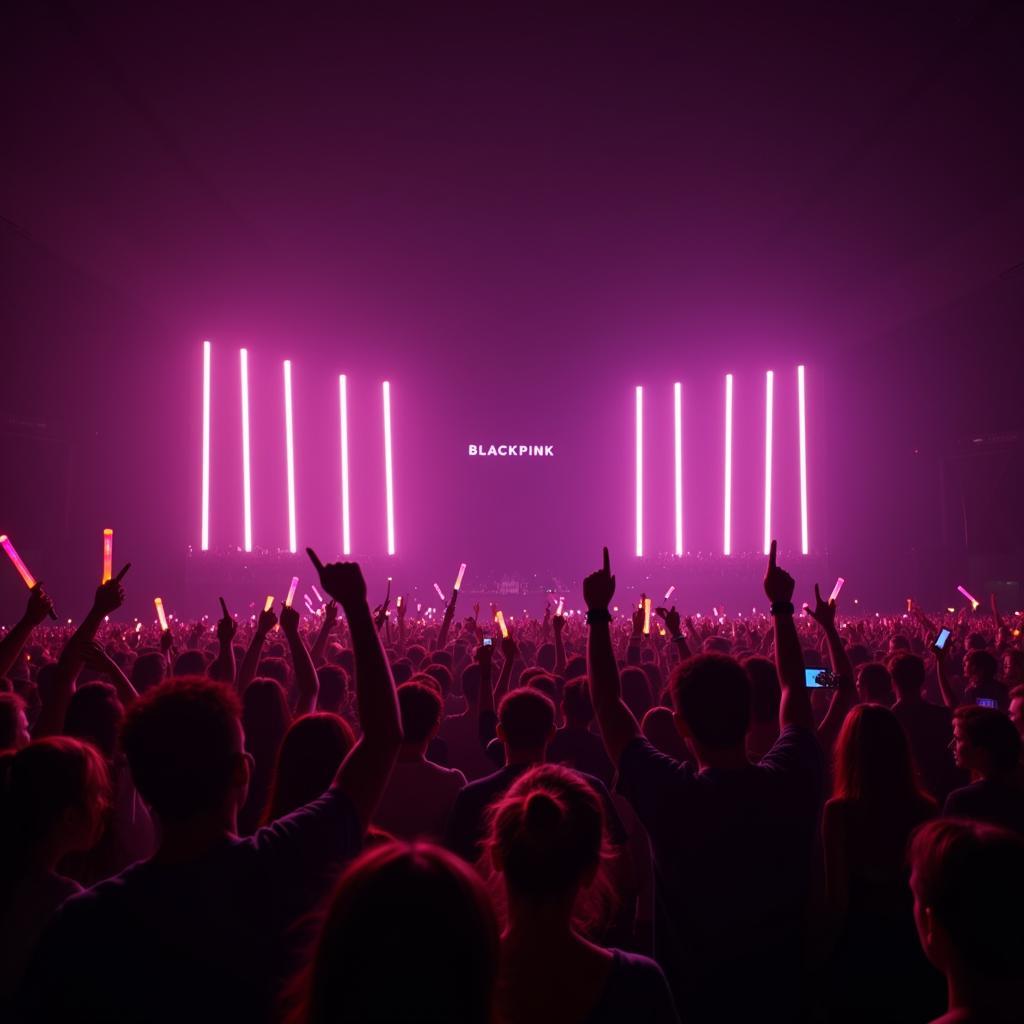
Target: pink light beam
(389, 468)
(802, 409)
(289, 441)
(677, 414)
(769, 388)
(639, 471)
(346, 531)
(727, 538)
(204, 540)
(246, 464)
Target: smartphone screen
(488, 641)
(811, 678)
(986, 702)
(941, 640)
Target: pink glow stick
(462, 572)
(835, 590)
(108, 554)
(671, 590)
(561, 605)
(501, 623)
(160, 614)
(974, 601)
(293, 586)
(5, 543)
(440, 592)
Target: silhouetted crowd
(366, 815)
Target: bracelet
(782, 608)
(595, 615)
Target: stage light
(108, 554)
(246, 465)
(974, 601)
(639, 471)
(204, 542)
(160, 613)
(346, 535)
(769, 387)
(677, 414)
(802, 409)
(5, 543)
(458, 579)
(269, 603)
(292, 587)
(289, 441)
(388, 468)
(440, 593)
(727, 538)
(501, 623)
(671, 590)
(835, 590)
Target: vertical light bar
(289, 440)
(677, 414)
(346, 535)
(804, 547)
(108, 554)
(769, 388)
(388, 468)
(246, 465)
(204, 540)
(727, 539)
(639, 471)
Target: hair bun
(543, 812)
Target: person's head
(401, 670)
(985, 741)
(898, 644)
(442, 675)
(907, 672)
(148, 670)
(526, 723)
(969, 903)
(576, 705)
(874, 684)
(1017, 709)
(980, 667)
(858, 654)
(186, 750)
(711, 698)
(14, 732)
(1013, 667)
(421, 709)
(546, 657)
(94, 715)
(976, 641)
(547, 837)
(765, 691)
(470, 682)
(333, 695)
(545, 682)
(274, 668)
(873, 762)
(190, 663)
(308, 759)
(636, 690)
(416, 653)
(409, 934)
(265, 715)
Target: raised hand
(778, 584)
(39, 605)
(289, 620)
(558, 622)
(483, 654)
(166, 640)
(94, 656)
(599, 587)
(823, 612)
(671, 619)
(226, 626)
(110, 595)
(331, 613)
(638, 621)
(509, 648)
(266, 622)
(342, 580)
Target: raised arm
(558, 622)
(618, 726)
(38, 607)
(486, 716)
(264, 624)
(96, 658)
(795, 705)
(319, 652)
(364, 772)
(673, 627)
(222, 668)
(509, 650)
(845, 694)
(305, 674)
(949, 698)
(446, 622)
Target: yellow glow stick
(647, 615)
(291, 591)
(160, 614)
(269, 603)
(108, 554)
(5, 543)
(458, 579)
(501, 623)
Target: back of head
(765, 691)
(148, 670)
(545, 682)
(442, 675)
(576, 702)
(13, 723)
(410, 934)
(333, 687)
(991, 730)
(401, 670)
(874, 683)
(94, 715)
(982, 666)
(976, 641)
(265, 715)
(308, 759)
(181, 740)
(546, 657)
(908, 672)
(526, 718)
(471, 682)
(874, 764)
(190, 663)
(967, 877)
(711, 693)
(421, 710)
(636, 690)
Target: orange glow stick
(108, 554)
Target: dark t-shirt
(732, 859)
(582, 750)
(208, 940)
(929, 728)
(996, 803)
(636, 991)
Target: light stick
(108, 555)
(671, 590)
(974, 601)
(319, 596)
(727, 539)
(458, 579)
(501, 622)
(138, 627)
(346, 534)
(647, 615)
(204, 540)
(246, 465)
(388, 468)
(292, 587)
(769, 388)
(289, 441)
(836, 589)
(639, 471)
(802, 409)
(269, 603)
(561, 605)
(160, 613)
(5, 543)
(398, 602)
(440, 593)
(910, 604)
(677, 420)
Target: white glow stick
(561, 605)
(269, 603)
(346, 534)
(671, 590)
(204, 537)
(289, 441)
(389, 468)
(768, 395)
(677, 422)
(160, 613)
(138, 627)
(292, 587)
(727, 538)
(5, 543)
(639, 471)
(802, 413)
(246, 461)
(836, 589)
(108, 554)
(501, 623)
(974, 601)
(647, 615)
(715, 610)
(458, 579)
(319, 596)
(440, 592)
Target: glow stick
(458, 579)
(204, 540)
(677, 415)
(160, 614)
(803, 458)
(974, 601)
(440, 593)
(769, 388)
(292, 587)
(346, 534)
(501, 622)
(419, 607)
(639, 471)
(671, 590)
(388, 468)
(30, 580)
(319, 596)
(138, 627)
(727, 539)
(910, 604)
(246, 466)
(307, 599)
(836, 589)
(398, 603)
(561, 604)
(269, 603)
(108, 554)
(309, 606)
(289, 441)
(715, 610)
(647, 615)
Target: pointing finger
(315, 560)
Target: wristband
(782, 608)
(595, 615)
